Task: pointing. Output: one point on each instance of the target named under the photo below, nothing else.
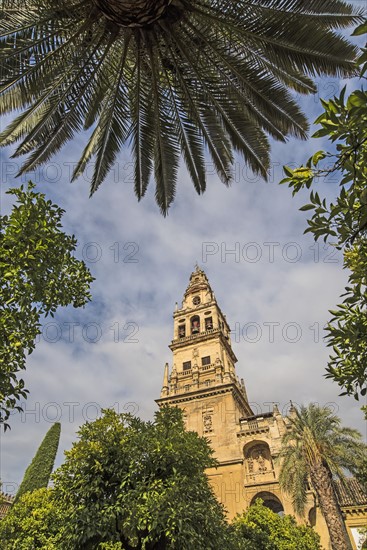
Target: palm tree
(314, 450)
(167, 77)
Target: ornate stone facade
(203, 382)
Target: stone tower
(203, 383)
(203, 380)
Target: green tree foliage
(315, 449)
(38, 473)
(34, 522)
(260, 528)
(38, 273)
(361, 473)
(140, 484)
(169, 77)
(363, 533)
(342, 223)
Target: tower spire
(202, 352)
(292, 410)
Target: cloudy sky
(274, 284)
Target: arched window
(270, 500)
(195, 324)
(181, 330)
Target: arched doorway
(270, 500)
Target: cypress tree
(38, 473)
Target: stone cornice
(205, 392)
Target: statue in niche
(261, 462)
(258, 461)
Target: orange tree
(38, 273)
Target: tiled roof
(353, 494)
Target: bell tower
(203, 380)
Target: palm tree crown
(316, 449)
(168, 77)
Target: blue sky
(275, 289)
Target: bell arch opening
(195, 324)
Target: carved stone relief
(208, 421)
(258, 461)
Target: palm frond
(190, 140)
(142, 129)
(232, 120)
(112, 124)
(166, 149)
(75, 84)
(203, 75)
(204, 118)
(315, 439)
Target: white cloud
(273, 289)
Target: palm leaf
(203, 75)
(252, 142)
(142, 130)
(205, 119)
(113, 122)
(190, 140)
(166, 151)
